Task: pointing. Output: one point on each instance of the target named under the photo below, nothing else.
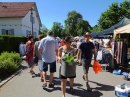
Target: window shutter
(12, 32)
(3, 31)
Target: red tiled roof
(15, 9)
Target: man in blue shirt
(87, 50)
(48, 47)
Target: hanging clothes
(124, 54)
(119, 52)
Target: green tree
(43, 30)
(125, 9)
(57, 29)
(75, 25)
(96, 28)
(109, 17)
(114, 14)
(82, 26)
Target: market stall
(122, 50)
(121, 30)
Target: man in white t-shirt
(22, 49)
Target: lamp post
(32, 19)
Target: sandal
(41, 80)
(44, 85)
(32, 72)
(71, 90)
(51, 85)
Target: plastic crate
(121, 92)
(118, 72)
(126, 76)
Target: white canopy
(121, 30)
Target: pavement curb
(9, 78)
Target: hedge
(9, 63)
(11, 43)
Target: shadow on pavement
(24, 67)
(84, 93)
(80, 92)
(57, 82)
(103, 87)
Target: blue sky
(56, 10)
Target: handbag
(35, 59)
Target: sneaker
(50, 85)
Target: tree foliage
(114, 14)
(57, 29)
(96, 28)
(75, 25)
(43, 30)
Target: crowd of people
(50, 50)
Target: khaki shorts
(86, 64)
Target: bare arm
(56, 52)
(78, 54)
(59, 54)
(40, 51)
(40, 47)
(74, 52)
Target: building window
(8, 32)
(28, 33)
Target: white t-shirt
(22, 49)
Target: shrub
(11, 43)
(9, 63)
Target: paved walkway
(24, 85)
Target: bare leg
(86, 77)
(51, 78)
(63, 86)
(71, 82)
(41, 75)
(31, 69)
(44, 76)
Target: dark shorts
(86, 64)
(63, 77)
(52, 67)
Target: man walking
(37, 55)
(48, 47)
(86, 49)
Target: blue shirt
(48, 45)
(86, 50)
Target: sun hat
(87, 34)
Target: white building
(19, 18)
